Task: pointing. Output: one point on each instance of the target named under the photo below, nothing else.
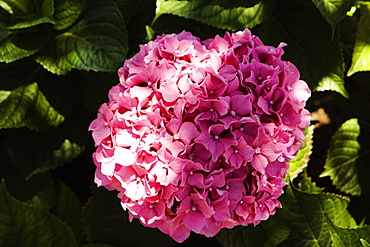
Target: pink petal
(219, 44)
(141, 93)
(188, 132)
(170, 92)
(100, 133)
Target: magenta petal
(204, 207)
(236, 161)
(216, 149)
(241, 104)
(259, 163)
(236, 188)
(264, 104)
(185, 205)
(220, 106)
(196, 180)
(180, 234)
(221, 208)
(195, 221)
(212, 144)
(268, 150)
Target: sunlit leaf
(219, 13)
(27, 13)
(106, 222)
(27, 106)
(333, 10)
(304, 213)
(97, 42)
(303, 156)
(341, 159)
(66, 12)
(4, 95)
(361, 53)
(315, 51)
(305, 183)
(24, 225)
(364, 243)
(348, 237)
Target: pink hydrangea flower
(197, 135)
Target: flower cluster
(198, 134)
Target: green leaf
(96, 86)
(303, 156)
(305, 183)
(27, 13)
(19, 73)
(351, 237)
(97, 42)
(149, 33)
(98, 245)
(268, 233)
(39, 152)
(27, 106)
(51, 159)
(4, 95)
(69, 209)
(24, 225)
(38, 190)
(361, 53)
(315, 52)
(66, 12)
(106, 222)
(20, 43)
(219, 13)
(304, 213)
(364, 243)
(341, 159)
(333, 10)
(9, 51)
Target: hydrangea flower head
(197, 135)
